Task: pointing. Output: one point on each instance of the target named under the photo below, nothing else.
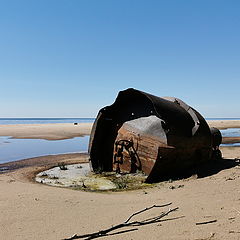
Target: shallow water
(16, 149)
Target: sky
(69, 58)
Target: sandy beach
(31, 210)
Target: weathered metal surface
(146, 135)
(163, 137)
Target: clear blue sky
(69, 58)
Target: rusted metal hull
(162, 137)
(146, 147)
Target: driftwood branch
(211, 221)
(146, 209)
(127, 223)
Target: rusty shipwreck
(160, 136)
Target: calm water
(15, 149)
(8, 121)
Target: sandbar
(224, 124)
(53, 131)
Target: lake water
(16, 149)
(9, 121)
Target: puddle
(16, 149)
(80, 177)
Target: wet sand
(35, 211)
(228, 140)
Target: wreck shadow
(205, 170)
(216, 166)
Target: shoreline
(26, 169)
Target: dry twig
(201, 223)
(127, 223)
(146, 209)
